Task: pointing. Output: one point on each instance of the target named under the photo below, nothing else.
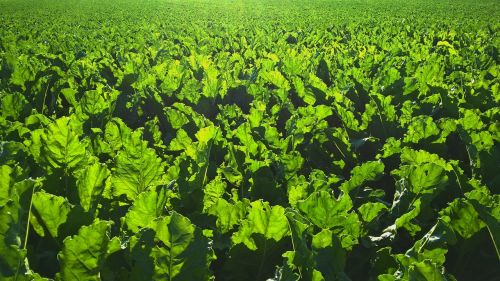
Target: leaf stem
(45, 96)
(29, 217)
(25, 242)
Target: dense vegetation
(249, 140)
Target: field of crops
(249, 140)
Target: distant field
(249, 140)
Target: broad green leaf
(228, 215)
(148, 206)
(93, 102)
(471, 120)
(185, 254)
(349, 233)
(137, 169)
(301, 257)
(488, 208)
(90, 183)
(433, 245)
(426, 270)
(13, 220)
(82, 256)
(204, 135)
(50, 212)
(12, 105)
(10, 240)
(421, 127)
(369, 211)
(69, 94)
(244, 134)
(176, 118)
(262, 219)
(323, 239)
(417, 157)
(462, 217)
(213, 191)
(405, 220)
(181, 142)
(324, 210)
(276, 78)
(329, 256)
(426, 178)
(116, 133)
(448, 46)
(60, 146)
(367, 171)
(306, 94)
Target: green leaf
(301, 258)
(227, 214)
(448, 46)
(324, 210)
(137, 169)
(405, 220)
(181, 142)
(116, 133)
(433, 245)
(148, 206)
(421, 127)
(51, 211)
(367, 171)
(70, 96)
(425, 270)
(305, 93)
(244, 134)
(5, 184)
(93, 102)
(417, 157)
(471, 120)
(90, 183)
(462, 217)
(213, 191)
(262, 219)
(276, 78)
(185, 254)
(426, 178)
(488, 208)
(369, 211)
(329, 256)
(13, 105)
(13, 216)
(60, 146)
(10, 240)
(176, 118)
(83, 255)
(204, 135)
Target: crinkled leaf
(228, 215)
(367, 171)
(90, 183)
(60, 146)
(421, 127)
(82, 255)
(185, 254)
(262, 219)
(148, 206)
(136, 171)
(462, 217)
(369, 211)
(51, 211)
(324, 210)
